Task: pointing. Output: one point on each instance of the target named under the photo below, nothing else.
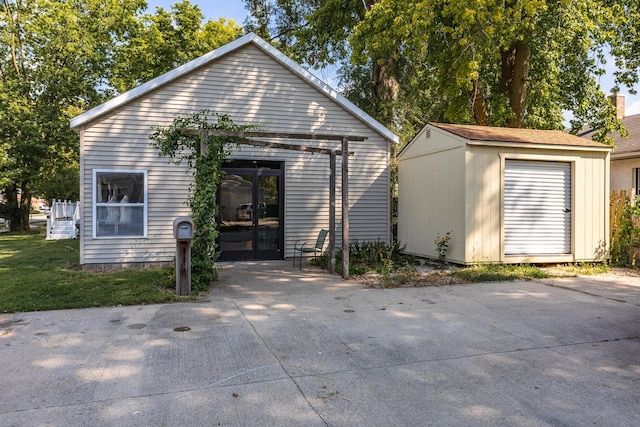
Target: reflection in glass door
(250, 218)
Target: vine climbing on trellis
(187, 140)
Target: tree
(627, 49)
(518, 63)
(53, 60)
(59, 58)
(162, 41)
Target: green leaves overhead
(53, 62)
(162, 41)
(515, 63)
(518, 63)
(61, 57)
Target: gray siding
(251, 87)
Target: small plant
(442, 245)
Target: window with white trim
(119, 203)
(636, 180)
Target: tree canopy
(53, 62)
(160, 42)
(59, 58)
(518, 63)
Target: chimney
(618, 102)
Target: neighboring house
(625, 158)
(269, 199)
(506, 195)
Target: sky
(234, 9)
(212, 9)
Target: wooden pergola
(248, 138)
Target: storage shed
(505, 195)
(270, 197)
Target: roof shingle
(631, 145)
(525, 136)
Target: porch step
(62, 230)
(61, 236)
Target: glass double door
(250, 218)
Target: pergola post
(332, 212)
(345, 207)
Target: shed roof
(516, 135)
(250, 38)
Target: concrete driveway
(273, 346)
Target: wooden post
(332, 212)
(203, 141)
(345, 208)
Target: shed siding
(431, 181)
(482, 206)
(485, 200)
(591, 235)
(250, 87)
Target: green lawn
(38, 274)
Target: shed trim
(604, 148)
(537, 208)
(428, 153)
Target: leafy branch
(187, 140)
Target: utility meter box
(183, 228)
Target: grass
(499, 272)
(382, 266)
(38, 274)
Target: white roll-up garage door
(537, 208)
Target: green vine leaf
(188, 140)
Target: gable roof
(250, 38)
(628, 147)
(516, 135)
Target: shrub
(369, 256)
(625, 234)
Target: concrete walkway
(273, 346)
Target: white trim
(94, 203)
(82, 197)
(538, 236)
(162, 80)
(535, 145)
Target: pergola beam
(280, 145)
(285, 135)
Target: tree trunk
(480, 113)
(25, 207)
(513, 81)
(17, 208)
(386, 87)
